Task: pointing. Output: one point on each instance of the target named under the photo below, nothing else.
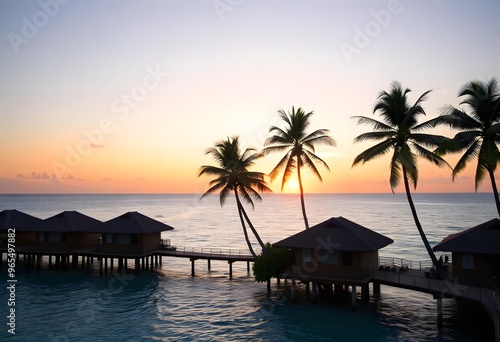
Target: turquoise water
(169, 305)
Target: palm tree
(300, 146)
(232, 176)
(399, 132)
(479, 131)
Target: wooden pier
(146, 261)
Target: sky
(126, 96)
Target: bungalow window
(468, 262)
(55, 237)
(306, 255)
(347, 259)
(124, 239)
(328, 257)
(108, 238)
(41, 237)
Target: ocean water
(167, 304)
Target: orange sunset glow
(130, 105)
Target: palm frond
(429, 140)
(395, 171)
(471, 153)
(281, 164)
(290, 167)
(377, 135)
(430, 155)
(457, 119)
(481, 173)
(375, 151)
(308, 160)
(377, 125)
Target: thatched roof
(481, 239)
(13, 218)
(131, 223)
(339, 234)
(66, 221)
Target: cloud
(20, 176)
(40, 175)
(71, 178)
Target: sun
(291, 186)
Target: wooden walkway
(209, 254)
(419, 280)
(145, 261)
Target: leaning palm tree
(233, 177)
(479, 131)
(300, 146)
(399, 132)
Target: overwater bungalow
(21, 222)
(131, 233)
(336, 251)
(64, 232)
(475, 253)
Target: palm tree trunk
(427, 245)
(306, 222)
(495, 190)
(257, 236)
(238, 203)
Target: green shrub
(271, 264)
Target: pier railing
(212, 251)
(400, 262)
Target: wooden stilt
(111, 264)
(269, 286)
(230, 270)
(293, 289)
(39, 261)
(161, 259)
(50, 260)
(248, 267)
(365, 293)
(376, 288)
(314, 291)
(137, 265)
(353, 298)
(100, 266)
(208, 264)
(192, 267)
(105, 265)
